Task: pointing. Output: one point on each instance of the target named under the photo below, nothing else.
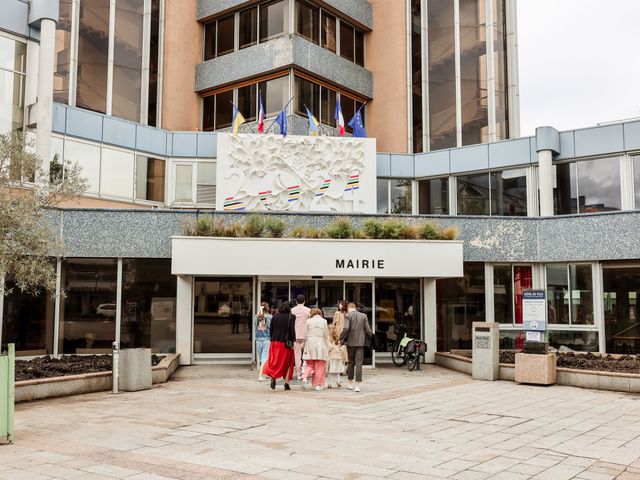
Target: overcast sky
(579, 62)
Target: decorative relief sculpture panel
(296, 173)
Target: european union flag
(281, 120)
(358, 125)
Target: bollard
(115, 368)
(7, 393)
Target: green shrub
(340, 228)
(372, 228)
(275, 227)
(203, 227)
(392, 229)
(254, 226)
(410, 232)
(428, 231)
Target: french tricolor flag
(260, 114)
(339, 118)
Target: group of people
(300, 337)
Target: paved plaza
(218, 422)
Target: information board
(534, 310)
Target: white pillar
(430, 305)
(547, 143)
(45, 94)
(184, 316)
(545, 180)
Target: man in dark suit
(356, 330)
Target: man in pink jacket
(302, 315)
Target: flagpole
(234, 106)
(274, 120)
(319, 124)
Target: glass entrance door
(361, 293)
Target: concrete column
(430, 318)
(184, 316)
(547, 144)
(44, 113)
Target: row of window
(321, 100)
(108, 39)
(269, 20)
(128, 175)
(580, 187)
(13, 56)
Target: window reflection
(150, 178)
(62, 56)
(416, 74)
(347, 49)
(116, 176)
(433, 196)
(274, 19)
(88, 159)
(401, 196)
(383, 196)
(329, 35)
(621, 285)
(307, 95)
(225, 35)
(307, 17)
(587, 186)
(12, 84)
(473, 194)
(509, 193)
(248, 29)
(397, 308)
(503, 293)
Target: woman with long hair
(263, 337)
(337, 352)
(315, 349)
(280, 360)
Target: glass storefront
(88, 312)
(460, 302)
(621, 285)
(148, 317)
(223, 315)
(397, 310)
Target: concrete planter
(536, 369)
(611, 381)
(42, 388)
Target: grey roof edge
(547, 138)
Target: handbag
(288, 342)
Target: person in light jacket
(356, 329)
(316, 349)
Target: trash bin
(7, 393)
(135, 369)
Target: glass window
(359, 48)
(348, 110)
(578, 341)
(460, 302)
(500, 69)
(328, 28)
(184, 183)
(401, 196)
(224, 109)
(93, 49)
(599, 185)
(206, 183)
(223, 315)
(557, 295)
(442, 75)
(247, 102)
(473, 194)
(148, 316)
(12, 55)
(416, 75)
(307, 17)
(636, 170)
(511, 340)
(27, 321)
(274, 293)
(116, 173)
(509, 193)
(621, 285)
(210, 40)
(581, 294)
(346, 41)
(522, 280)
(88, 159)
(328, 107)
(127, 59)
(11, 101)
(88, 311)
(383, 195)
(565, 190)
(473, 74)
(307, 94)
(330, 292)
(397, 307)
(248, 27)
(62, 58)
(275, 94)
(150, 179)
(154, 47)
(433, 196)
(225, 35)
(274, 19)
(503, 293)
(208, 113)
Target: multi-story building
(139, 93)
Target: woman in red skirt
(280, 361)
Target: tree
(27, 240)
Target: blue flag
(281, 120)
(357, 124)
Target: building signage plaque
(482, 342)
(534, 310)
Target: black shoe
(287, 387)
(273, 384)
